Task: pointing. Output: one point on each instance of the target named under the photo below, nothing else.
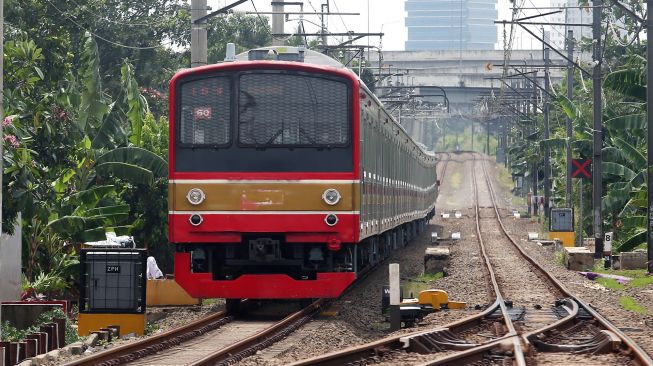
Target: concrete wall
(10, 265)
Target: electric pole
(472, 135)
(277, 21)
(649, 116)
(535, 168)
(2, 117)
(597, 181)
(198, 41)
(487, 137)
(570, 95)
(547, 149)
(323, 28)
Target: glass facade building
(451, 24)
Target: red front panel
(270, 286)
(227, 228)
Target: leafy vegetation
(610, 283)
(12, 334)
(624, 134)
(86, 132)
(631, 304)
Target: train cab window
(284, 109)
(206, 112)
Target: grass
(454, 180)
(641, 282)
(610, 283)
(559, 258)
(151, 328)
(420, 283)
(639, 277)
(504, 177)
(505, 180)
(209, 301)
(631, 304)
(429, 277)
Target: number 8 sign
(607, 242)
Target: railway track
(533, 320)
(214, 340)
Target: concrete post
(395, 315)
(570, 96)
(277, 21)
(198, 41)
(649, 152)
(597, 170)
(2, 117)
(10, 264)
(547, 149)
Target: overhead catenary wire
(105, 19)
(117, 44)
(340, 15)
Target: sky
(386, 16)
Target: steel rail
(150, 345)
(409, 341)
(261, 340)
(639, 354)
(511, 340)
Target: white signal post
(607, 248)
(395, 298)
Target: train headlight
(331, 219)
(195, 196)
(331, 196)
(196, 219)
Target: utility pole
(597, 181)
(472, 135)
(547, 150)
(535, 168)
(527, 110)
(570, 95)
(277, 21)
(649, 117)
(198, 42)
(487, 137)
(2, 117)
(323, 27)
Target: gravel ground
(358, 316)
(607, 301)
(359, 319)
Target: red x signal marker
(581, 168)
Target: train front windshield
(264, 121)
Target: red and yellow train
(287, 178)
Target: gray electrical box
(113, 280)
(562, 219)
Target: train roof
(308, 56)
(301, 54)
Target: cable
(114, 21)
(539, 12)
(340, 15)
(266, 22)
(612, 26)
(100, 37)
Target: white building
(570, 14)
